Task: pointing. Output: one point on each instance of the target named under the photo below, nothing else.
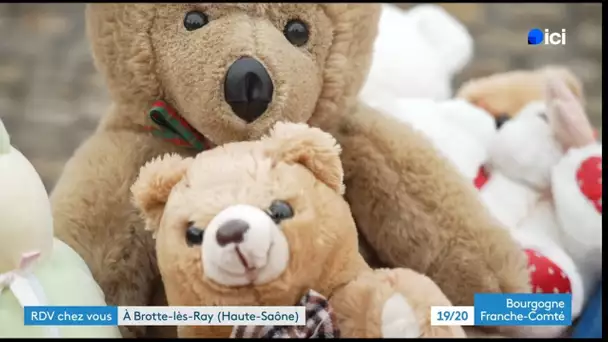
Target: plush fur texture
(410, 204)
(460, 131)
(509, 92)
(275, 262)
(416, 54)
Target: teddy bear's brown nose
(248, 88)
(232, 231)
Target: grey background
(51, 97)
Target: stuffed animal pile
(550, 193)
(204, 83)
(271, 228)
(185, 78)
(35, 268)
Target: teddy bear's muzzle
(243, 245)
(248, 88)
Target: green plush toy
(35, 268)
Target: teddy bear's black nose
(248, 88)
(501, 119)
(232, 231)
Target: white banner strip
(211, 315)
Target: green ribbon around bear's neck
(172, 127)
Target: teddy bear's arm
(417, 212)
(93, 215)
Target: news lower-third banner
(488, 310)
(164, 315)
(508, 310)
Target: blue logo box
(535, 36)
(523, 309)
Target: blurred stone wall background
(51, 97)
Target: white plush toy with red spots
(545, 185)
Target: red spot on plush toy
(589, 178)
(482, 177)
(545, 275)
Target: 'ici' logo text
(537, 36)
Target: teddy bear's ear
(315, 149)
(154, 184)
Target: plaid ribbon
(320, 323)
(174, 128)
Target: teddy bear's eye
(296, 32)
(194, 235)
(279, 211)
(543, 116)
(195, 20)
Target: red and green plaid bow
(175, 129)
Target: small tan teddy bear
(264, 223)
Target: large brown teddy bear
(271, 228)
(226, 72)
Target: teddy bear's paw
(399, 319)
